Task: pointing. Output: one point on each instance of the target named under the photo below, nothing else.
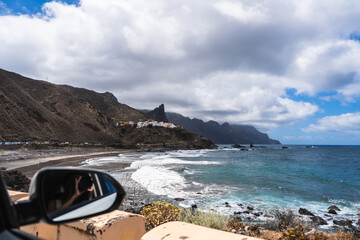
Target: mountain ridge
(218, 133)
(35, 110)
(222, 133)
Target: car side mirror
(59, 195)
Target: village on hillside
(147, 123)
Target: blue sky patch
(355, 36)
(17, 7)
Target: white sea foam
(190, 171)
(111, 159)
(160, 181)
(100, 161)
(166, 160)
(189, 153)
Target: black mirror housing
(65, 194)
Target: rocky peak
(109, 95)
(158, 114)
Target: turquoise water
(265, 178)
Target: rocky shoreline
(266, 219)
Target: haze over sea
(311, 177)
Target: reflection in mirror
(69, 195)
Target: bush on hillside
(296, 233)
(15, 180)
(160, 212)
(210, 219)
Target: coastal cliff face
(33, 110)
(224, 133)
(219, 134)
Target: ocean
(264, 178)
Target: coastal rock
(130, 210)
(258, 214)
(333, 207)
(343, 223)
(250, 208)
(194, 206)
(238, 219)
(227, 204)
(304, 211)
(246, 212)
(318, 220)
(238, 146)
(240, 205)
(237, 213)
(179, 199)
(332, 211)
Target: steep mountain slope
(38, 110)
(33, 110)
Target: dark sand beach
(29, 162)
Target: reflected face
(72, 195)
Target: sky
(290, 68)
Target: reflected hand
(77, 191)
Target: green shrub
(296, 233)
(160, 212)
(210, 219)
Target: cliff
(224, 133)
(158, 114)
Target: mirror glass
(70, 194)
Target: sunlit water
(265, 178)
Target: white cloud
(244, 14)
(328, 66)
(345, 123)
(223, 60)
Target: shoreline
(32, 164)
(36, 160)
